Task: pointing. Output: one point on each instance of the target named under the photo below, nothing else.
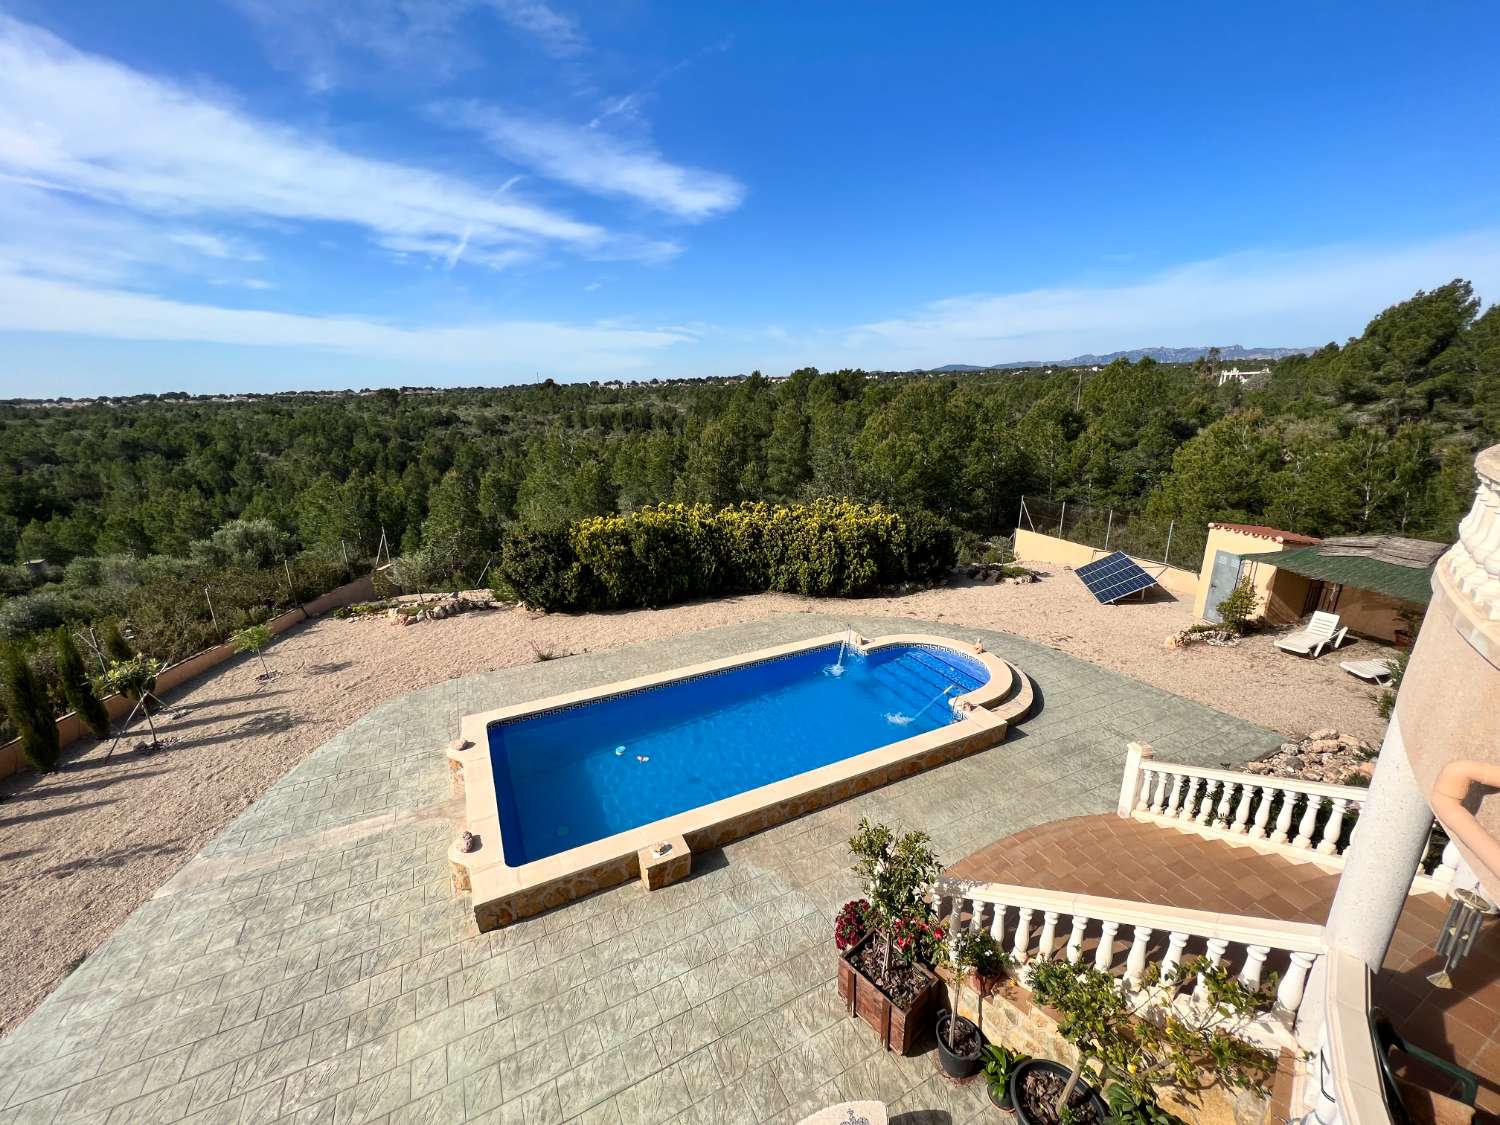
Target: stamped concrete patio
(312, 965)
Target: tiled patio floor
(312, 966)
(1104, 855)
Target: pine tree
(114, 643)
(77, 687)
(30, 713)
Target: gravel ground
(83, 847)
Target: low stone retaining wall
(1032, 546)
(70, 727)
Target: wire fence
(1116, 529)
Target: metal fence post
(1062, 515)
(214, 617)
(291, 591)
(1167, 555)
(1108, 527)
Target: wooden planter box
(898, 1028)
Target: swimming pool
(578, 774)
(567, 795)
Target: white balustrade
(1473, 562)
(1253, 940)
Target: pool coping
(502, 894)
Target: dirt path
(82, 848)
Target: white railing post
(1075, 938)
(1284, 817)
(1226, 806)
(1171, 808)
(1242, 814)
(1212, 956)
(1104, 953)
(1334, 828)
(1206, 809)
(1262, 812)
(1159, 804)
(1130, 781)
(1176, 943)
(1023, 936)
(1447, 868)
(997, 924)
(1309, 822)
(1190, 801)
(1255, 964)
(1048, 941)
(1135, 960)
(1293, 986)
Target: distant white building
(1235, 375)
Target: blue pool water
(564, 778)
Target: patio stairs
(1140, 882)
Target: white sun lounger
(1376, 671)
(1323, 631)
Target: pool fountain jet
(896, 718)
(845, 644)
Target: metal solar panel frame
(1113, 577)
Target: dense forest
(1376, 434)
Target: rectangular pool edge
(502, 894)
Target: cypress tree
(30, 713)
(77, 687)
(114, 643)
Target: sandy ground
(80, 849)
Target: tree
(254, 639)
(451, 534)
(77, 688)
(30, 713)
(134, 679)
(115, 646)
(896, 871)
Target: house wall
(70, 728)
(1280, 605)
(1032, 546)
(1372, 615)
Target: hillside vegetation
(135, 504)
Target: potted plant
(1137, 1042)
(885, 976)
(959, 1040)
(1000, 1064)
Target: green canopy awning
(1408, 583)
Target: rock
(1365, 769)
(1321, 746)
(1288, 748)
(1293, 762)
(1319, 735)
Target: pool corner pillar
(665, 863)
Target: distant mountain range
(1161, 355)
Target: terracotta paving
(1109, 856)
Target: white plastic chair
(1323, 631)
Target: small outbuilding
(1378, 585)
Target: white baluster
(1212, 955)
(1292, 987)
(1255, 964)
(943, 907)
(1284, 817)
(1308, 823)
(1023, 936)
(1242, 814)
(1048, 941)
(1176, 943)
(1148, 778)
(1104, 954)
(1186, 812)
(1447, 868)
(1262, 812)
(1334, 828)
(1135, 960)
(1171, 809)
(1075, 938)
(997, 925)
(1226, 805)
(1159, 802)
(976, 913)
(1206, 809)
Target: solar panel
(1113, 577)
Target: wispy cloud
(504, 348)
(1303, 297)
(596, 161)
(557, 34)
(89, 126)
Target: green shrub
(1239, 607)
(115, 646)
(671, 552)
(31, 613)
(76, 686)
(29, 711)
(14, 580)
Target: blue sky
(269, 194)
